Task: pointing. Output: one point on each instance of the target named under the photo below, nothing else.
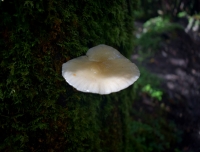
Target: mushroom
(103, 70)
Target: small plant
(154, 93)
(154, 31)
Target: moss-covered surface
(39, 111)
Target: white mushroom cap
(103, 70)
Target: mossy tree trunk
(39, 111)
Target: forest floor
(177, 63)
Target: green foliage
(150, 130)
(147, 9)
(154, 32)
(152, 8)
(153, 136)
(159, 24)
(194, 20)
(153, 92)
(39, 111)
(149, 84)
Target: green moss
(39, 110)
